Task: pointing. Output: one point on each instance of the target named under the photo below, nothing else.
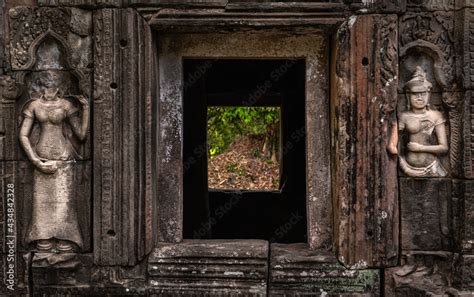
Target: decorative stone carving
(124, 137)
(29, 25)
(464, 4)
(427, 40)
(10, 90)
(54, 223)
(37, 35)
(50, 56)
(420, 122)
(431, 32)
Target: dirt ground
(242, 167)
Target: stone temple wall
(91, 141)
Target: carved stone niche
(50, 52)
(63, 33)
(433, 34)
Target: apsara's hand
(415, 147)
(48, 167)
(84, 101)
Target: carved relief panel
(419, 123)
(427, 136)
(49, 38)
(427, 43)
(46, 134)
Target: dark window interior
(277, 216)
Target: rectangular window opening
(234, 188)
(243, 148)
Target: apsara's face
(50, 93)
(419, 100)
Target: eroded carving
(9, 88)
(54, 223)
(28, 26)
(435, 30)
(9, 93)
(421, 124)
(420, 274)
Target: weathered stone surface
(2, 38)
(9, 204)
(41, 39)
(76, 275)
(12, 105)
(278, 6)
(71, 3)
(295, 269)
(19, 174)
(124, 220)
(10, 91)
(458, 196)
(428, 40)
(426, 214)
(464, 273)
(420, 274)
(467, 218)
(378, 6)
(14, 274)
(128, 3)
(214, 267)
(454, 112)
(418, 146)
(214, 21)
(431, 33)
(468, 135)
(464, 3)
(228, 4)
(365, 177)
(464, 27)
(138, 170)
(71, 27)
(431, 5)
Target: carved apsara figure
(426, 129)
(54, 224)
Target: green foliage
(225, 124)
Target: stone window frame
(314, 47)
